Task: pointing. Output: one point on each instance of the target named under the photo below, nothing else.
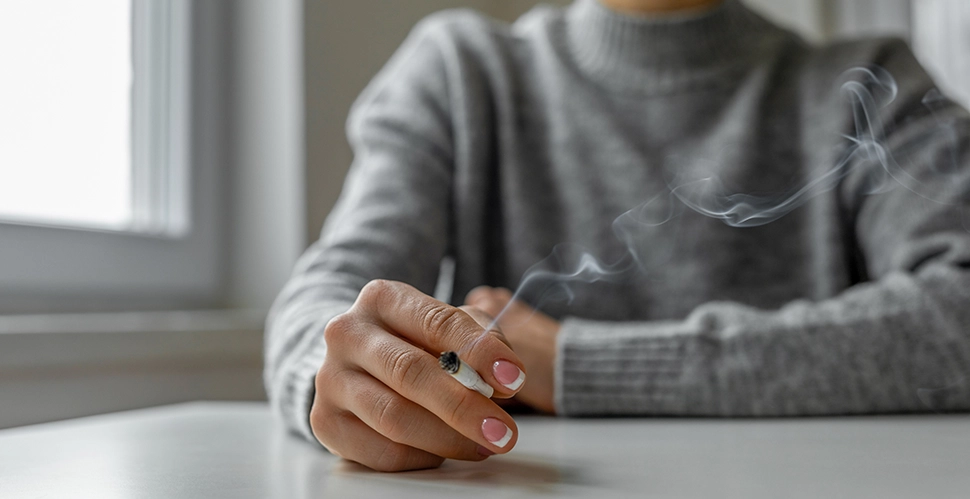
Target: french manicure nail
(496, 432)
(508, 374)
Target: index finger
(438, 327)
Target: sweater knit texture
(779, 228)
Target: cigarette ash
(449, 362)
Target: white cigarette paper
(458, 369)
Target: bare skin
(382, 400)
(532, 335)
(659, 7)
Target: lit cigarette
(465, 375)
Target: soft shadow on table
(531, 473)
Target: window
(68, 67)
(85, 137)
(941, 38)
(105, 202)
(211, 83)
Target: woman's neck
(648, 7)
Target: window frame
(161, 117)
(172, 257)
(941, 38)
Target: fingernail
(508, 374)
(496, 432)
(482, 451)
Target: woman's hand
(381, 398)
(532, 335)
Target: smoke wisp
(868, 91)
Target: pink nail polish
(496, 432)
(508, 374)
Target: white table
(212, 450)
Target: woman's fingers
(534, 336)
(382, 399)
(504, 372)
(485, 320)
(404, 421)
(350, 438)
(438, 327)
(416, 375)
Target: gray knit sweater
(781, 229)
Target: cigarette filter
(465, 375)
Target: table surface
(237, 450)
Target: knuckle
(339, 328)
(456, 408)
(404, 367)
(439, 321)
(494, 334)
(390, 418)
(496, 337)
(375, 291)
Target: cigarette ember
(449, 362)
(458, 369)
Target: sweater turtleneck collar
(665, 51)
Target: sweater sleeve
(899, 342)
(391, 220)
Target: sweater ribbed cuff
(611, 368)
(290, 378)
(298, 390)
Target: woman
(768, 228)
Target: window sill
(54, 341)
(64, 366)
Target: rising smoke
(867, 90)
